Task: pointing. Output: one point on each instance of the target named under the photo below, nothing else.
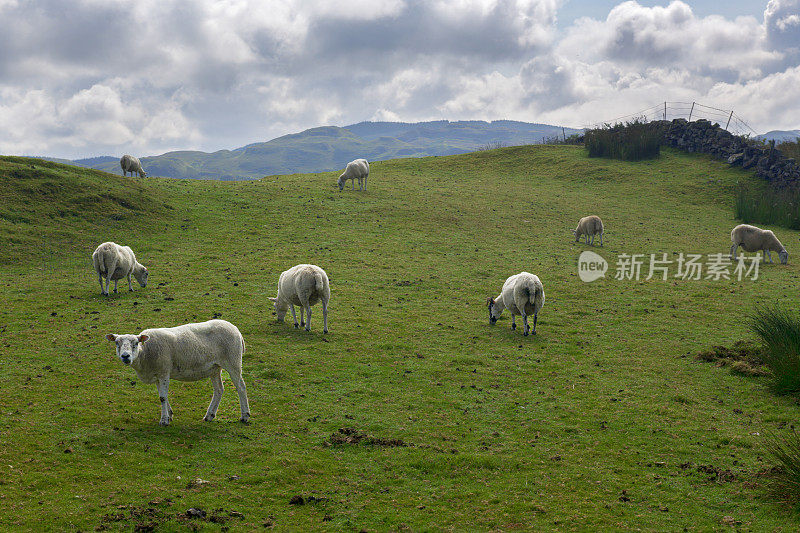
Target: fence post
(690, 112)
(729, 120)
(563, 133)
(665, 110)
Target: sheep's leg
(219, 388)
(308, 317)
(115, 287)
(525, 323)
(601, 239)
(513, 321)
(535, 318)
(130, 287)
(325, 316)
(302, 321)
(592, 239)
(241, 389)
(734, 250)
(353, 184)
(769, 255)
(110, 269)
(102, 289)
(294, 316)
(163, 391)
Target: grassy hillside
(49, 208)
(604, 419)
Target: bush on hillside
(632, 141)
(768, 205)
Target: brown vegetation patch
(743, 357)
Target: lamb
(303, 285)
(753, 239)
(114, 262)
(190, 352)
(131, 164)
(591, 225)
(522, 294)
(357, 169)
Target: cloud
(84, 77)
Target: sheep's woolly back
(753, 239)
(111, 253)
(131, 164)
(591, 225)
(358, 168)
(301, 283)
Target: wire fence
(726, 118)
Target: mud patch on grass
(744, 357)
(717, 474)
(350, 435)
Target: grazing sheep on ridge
(131, 164)
(114, 262)
(303, 285)
(522, 294)
(358, 169)
(190, 352)
(753, 239)
(591, 225)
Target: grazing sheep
(131, 164)
(303, 285)
(187, 353)
(589, 226)
(522, 294)
(357, 169)
(114, 262)
(753, 239)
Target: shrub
(779, 330)
(786, 450)
(768, 205)
(632, 141)
(790, 149)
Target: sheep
(357, 169)
(303, 285)
(131, 164)
(522, 294)
(114, 262)
(753, 239)
(190, 352)
(591, 225)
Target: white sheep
(190, 352)
(589, 226)
(114, 262)
(753, 239)
(357, 169)
(131, 164)
(522, 294)
(303, 285)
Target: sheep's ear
(111, 337)
(143, 338)
(490, 301)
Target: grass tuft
(764, 204)
(786, 477)
(779, 330)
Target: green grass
(761, 203)
(604, 419)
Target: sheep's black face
(784, 256)
(143, 278)
(128, 346)
(490, 305)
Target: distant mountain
(330, 147)
(779, 136)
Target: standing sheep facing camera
(190, 352)
(131, 164)
(753, 239)
(114, 262)
(589, 226)
(357, 169)
(522, 294)
(303, 285)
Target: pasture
(603, 420)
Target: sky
(81, 78)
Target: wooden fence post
(729, 120)
(690, 112)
